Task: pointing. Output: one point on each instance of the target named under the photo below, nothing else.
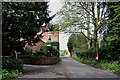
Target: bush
(44, 51)
(28, 52)
(12, 64)
(10, 74)
(54, 44)
(85, 53)
(48, 51)
(63, 52)
(77, 41)
(104, 53)
(110, 52)
(51, 51)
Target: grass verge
(106, 65)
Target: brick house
(47, 37)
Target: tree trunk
(96, 45)
(88, 31)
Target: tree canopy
(21, 21)
(99, 19)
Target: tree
(75, 19)
(86, 13)
(76, 42)
(21, 21)
(111, 37)
(99, 14)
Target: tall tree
(21, 21)
(94, 13)
(99, 14)
(112, 35)
(75, 19)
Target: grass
(106, 65)
(10, 74)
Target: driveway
(67, 68)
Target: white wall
(63, 40)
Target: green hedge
(48, 51)
(110, 52)
(12, 64)
(105, 53)
(54, 44)
(85, 53)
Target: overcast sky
(55, 6)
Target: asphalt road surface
(66, 69)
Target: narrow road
(66, 69)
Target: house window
(49, 37)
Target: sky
(55, 6)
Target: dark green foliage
(54, 44)
(47, 51)
(110, 48)
(51, 51)
(12, 64)
(85, 53)
(54, 27)
(10, 74)
(28, 52)
(105, 53)
(110, 52)
(19, 20)
(77, 41)
(70, 47)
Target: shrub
(110, 52)
(10, 74)
(28, 52)
(54, 44)
(106, 52)
(12, 64)
(44, 51)
(85, 53)
(77, 41)
(51, 51)
(63, 52)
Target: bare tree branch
(86, 9)
(85, 35)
